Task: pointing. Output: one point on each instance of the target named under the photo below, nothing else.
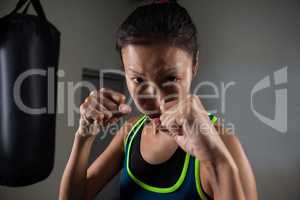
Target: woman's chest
(156, 148)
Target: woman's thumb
(124, 108)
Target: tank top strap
(199, 188)
(134, 128)
(196, 166)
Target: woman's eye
(172, 78)
(138, 80)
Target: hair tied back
(148, 2)
(163, 1)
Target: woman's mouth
(155, 118)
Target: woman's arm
(230, 176)
(109, 163)
(73, 183)
(82, 182)
(99, 109)
(228, 171)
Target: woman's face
(156, 72)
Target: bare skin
(225, 170)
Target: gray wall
(241, 42)
(244, 41)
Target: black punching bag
(29, 53)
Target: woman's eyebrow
(169, 70)
(136, 72)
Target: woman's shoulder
(233, 144)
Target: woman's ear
(195, 65)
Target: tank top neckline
(190, 171)
(178, 152)
(169, 189)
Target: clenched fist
(100, 108)
(188, 121)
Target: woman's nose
(155, 93)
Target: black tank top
(160, 175)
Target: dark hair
(154, 22)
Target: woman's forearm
(224, 178)
(228, 182)
(73, 181)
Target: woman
(174, 149)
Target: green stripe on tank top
(149, 187)
(201, 193)
(197, 180)
(133, 128)
(179, 182)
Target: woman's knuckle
(109, 113)
(87, 99)
(83, 107)
(93, 93)
(102, 89)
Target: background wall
(87, 40)
(241, 42)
